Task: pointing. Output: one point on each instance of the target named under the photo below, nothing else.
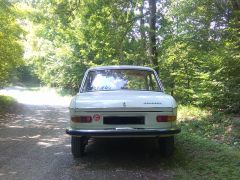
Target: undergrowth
(7, 103)
(208, 146)
(197, 157)
(210, 124)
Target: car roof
(121, 67)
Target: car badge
(152, 103)
(124, 104)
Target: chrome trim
(122, 132)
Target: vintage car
(122, 101)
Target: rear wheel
(166, 145)
(78, 145)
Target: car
(122, 101)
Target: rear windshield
(120, 79)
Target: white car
(122, 101)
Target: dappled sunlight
(36, 116)
(33, 135)
(59, 154)
(44, 140)
(15, 126)
(193, 46)
(43, 96)
(22, 150)
(49, 141)
(213, 125)
(44, 144)
(9, 173)
(191, 113)
(12, 139)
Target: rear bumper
(123, 132)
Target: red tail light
(161, 118)
(82, 119)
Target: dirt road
(33, 145)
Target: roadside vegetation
(210, 124)
(198, 157)
(194, 45)
(7, 104)
(208, 146)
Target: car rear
(122, 101)
(117, 121)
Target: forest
(47, 45)
(194, 45)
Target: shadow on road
(124, 158)
(124, 152)
(34, 145)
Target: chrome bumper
(123, 132)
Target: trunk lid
(124, 100)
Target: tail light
(161, 118)
(82, 119)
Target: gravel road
(33, 145)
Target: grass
(7, 103)
(209, 124)
(200, 158)
(206, 148)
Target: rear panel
(122, 119)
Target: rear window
(120, 79)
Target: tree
(152, 35)
(11, 50)
(194, 45)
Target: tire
(78, 146)
(166, 145)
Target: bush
(7, 104)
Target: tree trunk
(142, 32)
(235, 18)
(152, 35)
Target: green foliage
(52, 44)
(208, 146)
(197, 44)
(199, 158)
(210, 124)
(62, 46)
(10, 46)
(23, 75)
(6, 103)
(200, 56)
